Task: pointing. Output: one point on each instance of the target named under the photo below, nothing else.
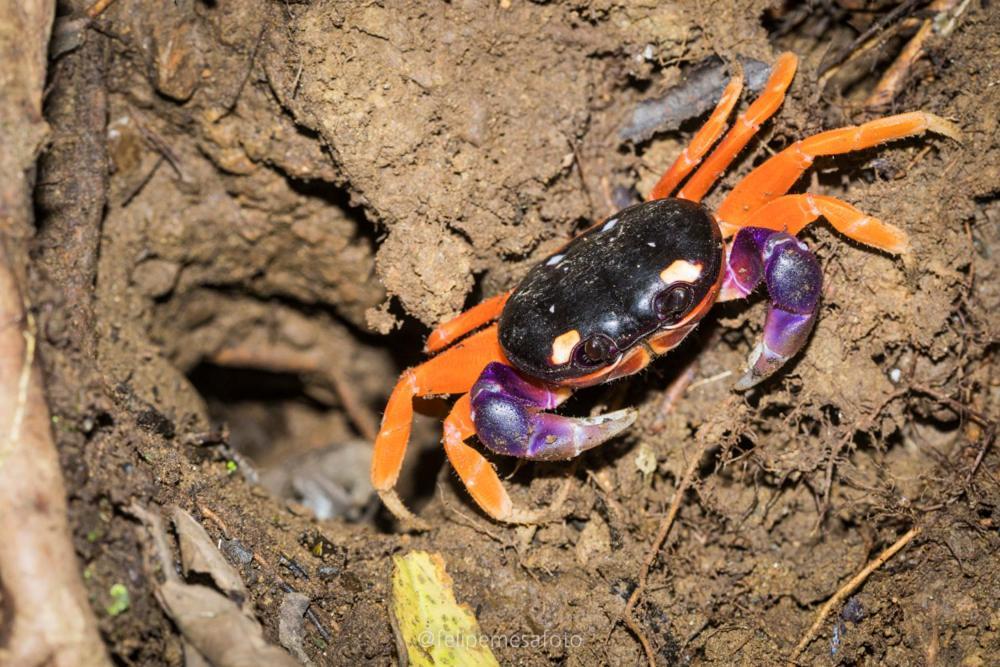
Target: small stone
(237, 552)
(156, 277)
(645, 460)
(853, 611)
(299, 331)
(177, 58)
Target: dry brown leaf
(218, 629)
(212, 625)
(199, 554)
(290, 631)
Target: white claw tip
(748, 381)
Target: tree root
(46, 619)
(848, 588)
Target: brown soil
(297, 190)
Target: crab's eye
(671, 304)
(595, 350)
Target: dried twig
(848, 588)
(893, 79)
(865, 40)
(247, 71)
(958, 406)
(654, 551)
(98, 8)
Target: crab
(629, 289)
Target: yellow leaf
(435, 628)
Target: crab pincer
(794, 282)
(508, 411)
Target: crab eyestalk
(509, 413)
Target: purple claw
(509, 418)
(784, 334)
(794, 282)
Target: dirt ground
(279, 198)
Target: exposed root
(281, 358)
(894, 78)
(835, 451)
(24, 379)
(654, 551)
(50, 621)
(875, 35)
(673, 394)
(46, 616)
(848, 588)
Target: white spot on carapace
(681, 270)
(562, 346)
(552, 308)
(555, 259)
(609, 225)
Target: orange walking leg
(791, 213)
(463, 323)
(454, 371)
(476, 472)
(774, 178)
(702, 141)
(743, 130)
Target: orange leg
(743, 130)
(791, 213)
(774, 178)
(702, 141)
(472, 319)
(476, 472)
(454, 371)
